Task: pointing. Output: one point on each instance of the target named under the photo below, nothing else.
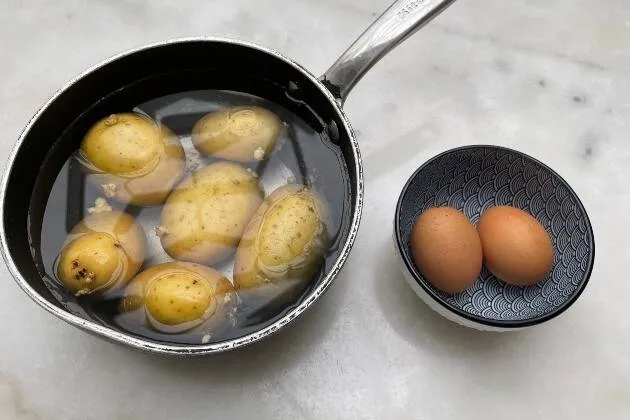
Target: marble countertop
(548, 77)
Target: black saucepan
(186, 65)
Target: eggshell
(446, 249)
(516, 248)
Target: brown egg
(516, 248)
(446, 248)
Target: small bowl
(473, 179)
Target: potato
(204, 217)
(242, 133)
(103, 252)
(134, 159)
(285, 240)
(177, 296)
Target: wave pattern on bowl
(476, 178)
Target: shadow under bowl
(473, 179)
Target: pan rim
(172, 349)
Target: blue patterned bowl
(473, 179)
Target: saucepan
(192, 64)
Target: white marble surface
(548, 77)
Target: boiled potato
(103, 252)
(242, 133)
(204, 217)
(133, 159)
(177, 296)
(286, 239)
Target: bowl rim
(422, 282)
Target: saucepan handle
(401, 20)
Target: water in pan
(303, 156)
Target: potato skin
(285, 240)
(241, 133)
(102, 253)
(204, 217)
(177, 296)
(134, 159)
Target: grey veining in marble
(548, 77)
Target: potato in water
(177, 296)
(103, 252)
(205, 216)
(286, 239)
(134, 159)
(242, 133)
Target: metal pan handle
(401, 20)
